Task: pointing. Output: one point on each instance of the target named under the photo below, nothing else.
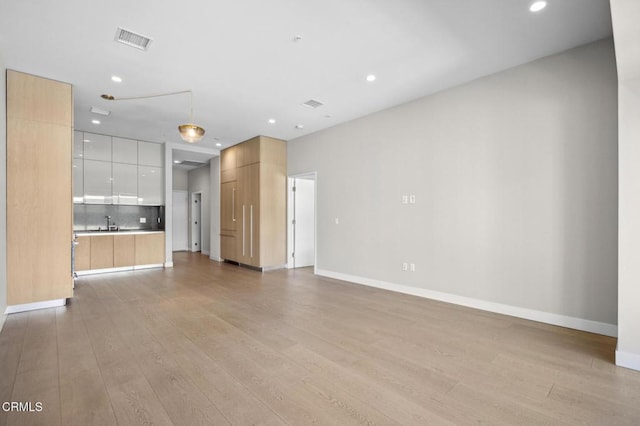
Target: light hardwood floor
(214, 344)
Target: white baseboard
(151, 266)
(499, 308)
(627, 360)
(205, 252)
(33, 306)
(168, 264)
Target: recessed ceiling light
(371, 77)
(537, 6)
(271, 121)
(218, 144)
(177, 161)
(116, 79)
(95, 121)
(299, 126)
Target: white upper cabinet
(125, 183)
(78, 149)
(78, 179)
(125, 150)
(97, 182)
(97, 147)
(150, 186)
(150, 154)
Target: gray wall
(180, 179)
(199, 181)
(625, 15)
(3, 194)
(515, 178)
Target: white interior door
(180, 215)
(303, 223)
(196, 214)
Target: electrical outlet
(405, 199)
(412, 267)
(143, 220)
(405, 266)
(412, 199)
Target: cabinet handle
(233, 204)
(251, 231)
(243, 234)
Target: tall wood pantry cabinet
(253, 203)
(39, 190)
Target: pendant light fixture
(188, 132)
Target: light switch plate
(143, 220)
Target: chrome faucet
(108, 222)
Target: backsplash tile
(90, 217)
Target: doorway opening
(196, 221)
(301, 243)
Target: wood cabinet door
(249, 214)
(39, 189)
(248, 152)
(229, 245)
(82, 254)
(123, 250)
(228, 158)
(102, 252)
(149, 249)
(228, 206)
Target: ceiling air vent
(313, 104)
(132, 39)
(191, 163)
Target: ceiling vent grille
(191, 163)
(313, 104)
(132, 39)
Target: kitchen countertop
(122, 232)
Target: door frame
(192, 196)
(290, 215)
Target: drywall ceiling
(244, 65)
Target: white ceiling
(244, 67)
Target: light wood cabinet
(102, 252)
(123, 250)
(249, 206)
(107, 251)
(229, 219)
(83, 254)
(256, 198)
(229, 214)
(39, 189)
(149, 249)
